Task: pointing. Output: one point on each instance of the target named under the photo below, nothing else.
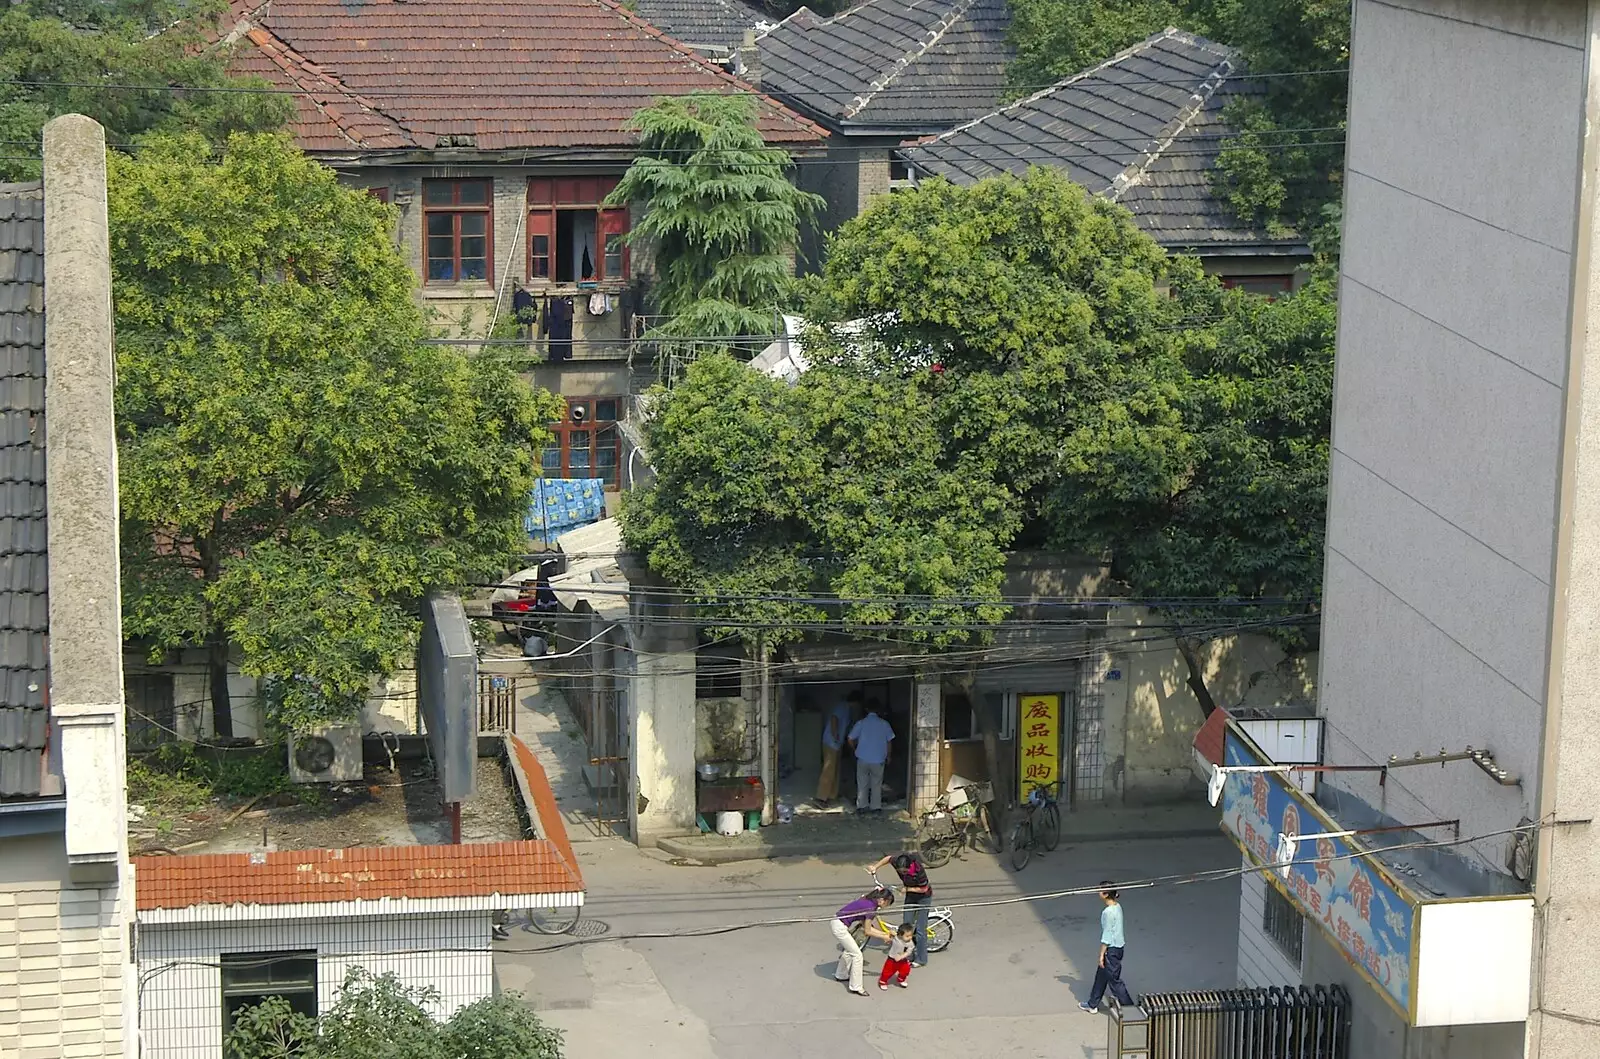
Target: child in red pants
(899, 959)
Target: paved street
(1007, 986)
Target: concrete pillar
(661, 712)
(927, 720)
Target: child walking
(899, 959)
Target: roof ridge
(683, 49)
(1135, 174)
(956, 14)
(299, 67)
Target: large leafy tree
(376, 1017)
(1283, 169)
(721, 214)
(132, 65)
(297, 469)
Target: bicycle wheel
(1021, 845)
(935, 852)
(940, 935)
(1050, 826)
(549, 919)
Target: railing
(497, 704)
(1292, 1022)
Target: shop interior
(803, 715)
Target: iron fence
(1291, 1022)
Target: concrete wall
(1163, 713)
(182, 1001)
(852, 174)
(65, 970)
(662, 749)
(1261, 962)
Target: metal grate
(1088, 734)
(1304, 1022)
(152, 714)
(1283, 923)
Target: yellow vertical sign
(1038, 740)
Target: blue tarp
(560, 504)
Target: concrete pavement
(1008, 985)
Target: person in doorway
(869, 741)
(898, 962)
(1112, 945)
(919, 895)
(834, 730)
(863, 911)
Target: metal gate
(151, 711)
(606, 727)
(497, 704)
(1304, 1022)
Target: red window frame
(456, 210)
(600, 458)
(549, 195)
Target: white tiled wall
(1261, 962)
(181, 992)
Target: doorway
(809, 704)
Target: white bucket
(730, 823)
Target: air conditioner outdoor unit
(326, 755)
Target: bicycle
(1041, 824)
(941, 925)
(552, 919)
(944, 831)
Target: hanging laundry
(588, 262)
(598, 304)
(524, 310)
(559, 322)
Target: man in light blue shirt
(1112, 944)
(870, 739)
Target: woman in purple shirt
(862, 910)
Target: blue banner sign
(1360, 909)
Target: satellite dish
(1286, 848)
(1215, 784)
(314, 755)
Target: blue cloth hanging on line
(557, 505)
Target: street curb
(690, 850)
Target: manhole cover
(590, 928)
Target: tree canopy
(1285, 166)
(721, 215)
(297, 469)
(376, 1017)
(123, 63)
(1025, 368)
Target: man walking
(1112, 944)
(870, 739)
(919, 895)
(833, 733)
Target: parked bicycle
(946, 831)
(941, 925)
(1040, 825)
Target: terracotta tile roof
(387, 74)
(548, 820)
(361, 874)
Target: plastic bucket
(730, 823)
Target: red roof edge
(640, 24)
(312, 83)
(547, 814)
(1208, 740)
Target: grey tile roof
(702, 23)
(921, 65)
(1143, 128)
(24, 603)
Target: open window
(572, 236)
(248, 978)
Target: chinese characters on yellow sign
(1038, 740)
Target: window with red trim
(586, 442)
(458, 227)
(572, 236)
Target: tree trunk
(1196, 680)
(221, 701)
(988, 719)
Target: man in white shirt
(870, 739)
(833, 735)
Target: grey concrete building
(1144, 129)
(67, 987)
(1462, 584)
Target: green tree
(297, 469)
(376, 1017)
(721, 215)
(120, 62)
(1284, 167)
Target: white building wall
(1261, 962)
(181, 995)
